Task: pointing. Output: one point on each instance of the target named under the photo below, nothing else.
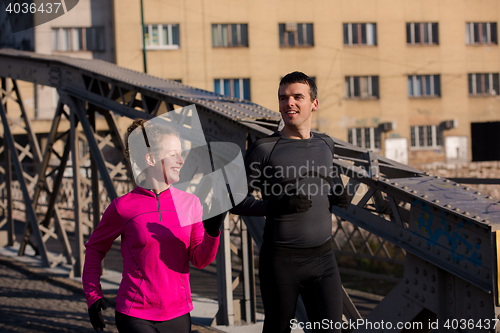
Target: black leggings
(127, 324)
(284, 275)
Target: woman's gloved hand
(212, 224)
(95, 314)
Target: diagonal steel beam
(78, 109)
(30, 212)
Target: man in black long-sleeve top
(293, 170)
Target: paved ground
(29, 303)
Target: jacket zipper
(158, 201)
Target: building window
(365, 137)
(424, 86)
(78, 39)
(237, 88)
(95, 39)
(161, 36)
(430, 136)
(296, 34)
(483, 84)
(229, 35)
(360, 34)
(364, 87)
(422, 33)
(480, 33)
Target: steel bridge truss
(445, 233)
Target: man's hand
(289, 204)
(339, 198)
(212, 224)
(95, 314)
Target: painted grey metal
(75, 163)
(225, 315)
(30, 212)
(445, 229)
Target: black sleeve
(253, 167)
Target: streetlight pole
(143, 40)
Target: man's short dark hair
(299, 77)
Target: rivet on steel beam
(415, 282)
(486, 221)
(435, 201)
(395, 184)
(479, 256)
(413, 191)
(424, 286)
(456, 184)
(466, 213)
(477, 192)
(416, 295)
(407, 290)
(426, 173)
(424, 196)
(465, 265)
(447, 206)
(405, 187)
(438, 251)
(433, 290)
(437, 177)
(456, 209)
(489, 197)
(448, 257)
(466, 188)
(446, 180)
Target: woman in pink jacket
(161, 230)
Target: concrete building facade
(405, 79)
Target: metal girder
(30, 211)
(446, 230)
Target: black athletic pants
(313, 273)
(127, 324)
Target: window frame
(375, 137)
(231, 84)
(491, 84)
(491, 33)
(365, 87)
(423, 130)
(240, 35)
(148, 31)
(286, 30)
(435, 90)
(76, 39)
(356, 39)
(432, 33)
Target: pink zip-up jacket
(158, 239)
